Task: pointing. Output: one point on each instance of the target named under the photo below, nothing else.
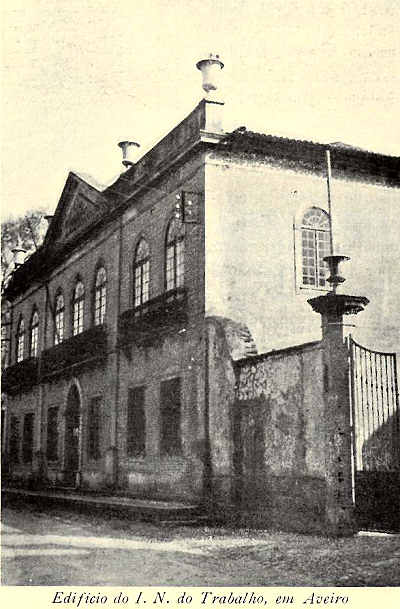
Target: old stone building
(124, 327)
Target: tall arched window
(20, 340)
(78, 308)
(315, 237)
(141, 274)
(34, 334)
(174, 255)
(59, 319)
(100, 296)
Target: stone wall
(279, 457)
(267, 437)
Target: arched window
(174, 255)
(78, 308)
(141, 274)
(20, 340)
(34, 334)
(100, 296)
(59, 319)
(315, 237)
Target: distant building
(107, 378)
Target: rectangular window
(180, 263)
(78, 317)
(59, 327)
(27, 440)
(20, 348)
(170, 410)
(14, 440)
(170, 274)
(94, 428)
(5, 346)
(142, 283)
(315, 246)
(100, 305)
(136, 423)
(34, 341)
(52, 434)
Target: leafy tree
(26, 231)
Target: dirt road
(59, 547)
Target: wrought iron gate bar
(375, 408)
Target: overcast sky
(79, 76)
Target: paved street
(60, 547)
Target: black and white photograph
(200, 318)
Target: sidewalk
(139, 509)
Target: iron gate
(376, 437)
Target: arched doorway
(72, 429)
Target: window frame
(174, 275)
(171, 444)
(141, 266)
(20, 342)
(52, 446)
(300, 227)
(136, 434)
(59, 314)
(78, 309)
(100, 296)
(34, 334)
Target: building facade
(211, 238)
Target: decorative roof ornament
(129, 153)
(210, 67)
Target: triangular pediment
(80, 206)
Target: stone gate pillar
(332, 307)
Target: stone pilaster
(339, 500)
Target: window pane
(100, 305)
(146, 282)
(309, 258)
(180, 263)
(170, 267)
(59, 320)
(59, 331)
(20, 341)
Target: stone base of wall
(286, 503)
(171, 478)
